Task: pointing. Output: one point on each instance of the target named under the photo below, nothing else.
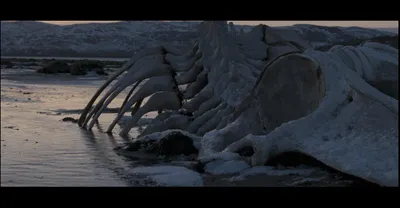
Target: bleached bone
(197, 86)
(125, 80)
(204, 117)
(381, 47)
(129, 95)
(257, 84)
(191, 75)
(126, 66)
(180, 58)
(341, 132)
(173, 50)
(184, 66)
(276, 51)
(154, 84)
(139, 75)
(159, 100)
(207, 105)
(256, 63)
(158, 83)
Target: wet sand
(38, 149)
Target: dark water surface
(37, 149)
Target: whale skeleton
(269, 90)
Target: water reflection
(46, 151)
(104, 154)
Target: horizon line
(251, 23)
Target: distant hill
(322, 36)
(122, 39)
(389, 29)
(388, 40)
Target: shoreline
(33, 105)
(64, 58)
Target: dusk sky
(371, 24)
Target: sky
(368, 24)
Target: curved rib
(154, 84)
(130, 78)
(159, 100)
(191, 75)
(107, 102)
(129, 95)
(185, 65)
(197, 86)
(203, 118)
(201, 97)
(136, 57)
(207, 105)
(255, 63)
(213, 123)
(225, 119)
(180, 58)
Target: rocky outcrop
(78, 69)
(55, 67)
(174, 143)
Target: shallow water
(37, 149)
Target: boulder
(90, 65)
(175, 143)
(70, 119)
(100, 71)
(7, 64)
(78, 69)
(54, 67)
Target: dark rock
(199, 167)
(78, 69)
(69, 119)
(294, 159)
(185, 112)
(90, 65)
(390, 88)
(54, 67)
(7, 64)
(137, 145)
(85, 66)
(246, 151)
(174, 143)
(100, 71)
